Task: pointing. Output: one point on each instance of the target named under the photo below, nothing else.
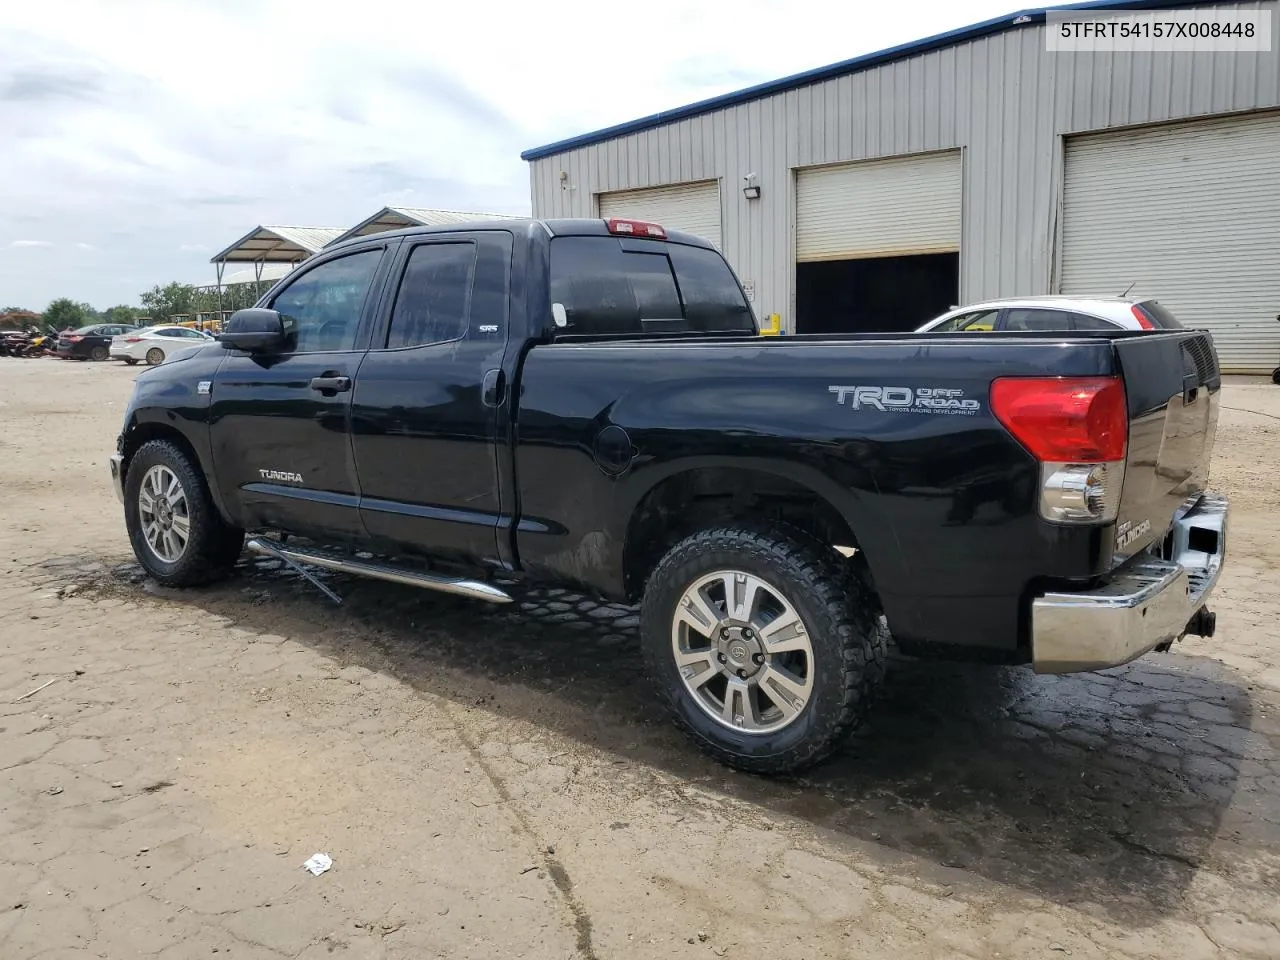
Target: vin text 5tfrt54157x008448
(588, 403)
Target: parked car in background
(90, 343)
(153, 344)
(1054, 313)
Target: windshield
(1160, 316)
(976, 320)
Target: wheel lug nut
(722, 658)
(742, 674)
(724, 633)
(758, 658)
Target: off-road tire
(155, 357)
(214, 545)
(841, 615)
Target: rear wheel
(177, 533)
(155, 356)
(99, 353)
(765, 643)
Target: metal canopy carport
(274, 245)
(397, 218)
(263, 245)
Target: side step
(474, 589)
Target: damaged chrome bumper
(1149, 603)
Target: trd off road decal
(943, 400)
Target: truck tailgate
(1172, 383)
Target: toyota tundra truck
(589, 403)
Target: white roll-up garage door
(879, 208)
(1188, 213)
(692, 207)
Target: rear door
(1173, 387)
(280, 423)
(428, 396)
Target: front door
(427, 414)
(280, 422)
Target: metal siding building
(1007, 108)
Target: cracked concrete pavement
(499, 783)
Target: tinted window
(168, 332)
(434, 296)
(1160, 316)
(1084, 322)
(712, 298)
(606, 289)
(321, 309)
(1019, 318)
(982, 320)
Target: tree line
(156, 305)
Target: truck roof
(558, 227)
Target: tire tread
(215, 544)
(847, 601)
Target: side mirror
(256, 330)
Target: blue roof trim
(864, 62)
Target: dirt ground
(499, 783)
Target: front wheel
(177, 533)
(130, 361)
(765, 643)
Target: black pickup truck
(589, 403)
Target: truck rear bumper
(1148, 603)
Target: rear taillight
(637, 228)
(1078, 428)
(132, 339)
(1143, 320)
(72, 338)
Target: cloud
(81, 245)
(31, 243)
(118, 135)
(48, 83)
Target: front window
(321, 309)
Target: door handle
(494, 388)
(331, 384)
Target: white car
(1055, 313)
(153, 344)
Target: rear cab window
(624, 286)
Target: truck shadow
(1100, 789)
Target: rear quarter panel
(942, 502)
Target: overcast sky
(138, 138)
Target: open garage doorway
(875, 294)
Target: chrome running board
(473, 589)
